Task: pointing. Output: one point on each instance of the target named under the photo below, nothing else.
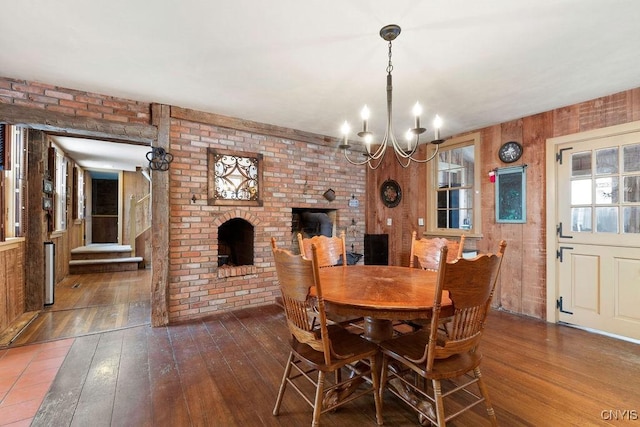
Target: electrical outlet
(420, 222)
(389, 221)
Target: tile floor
(26, 373)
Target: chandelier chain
(390, 66)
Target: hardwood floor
(225, 371)
(89, 303)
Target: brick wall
(73, 102)
(295, 174)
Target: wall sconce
(159, 159)
(193, 198)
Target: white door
(596, 244)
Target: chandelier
(404, 153)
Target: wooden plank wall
(522, 287)
(404, 217)
(11, 282)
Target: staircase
(102, 258)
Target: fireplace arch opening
(235, 243)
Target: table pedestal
(378, 330)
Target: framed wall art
(511, 194)
(47, 203)
(47, 186)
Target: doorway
(593, 230)
(105, 207)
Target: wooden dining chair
(440, 358)
(332, 251)
(425, 254)
(317, 347)
(427, 251)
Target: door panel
(598, 208)
(585, 281)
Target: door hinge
(559, 252)
(559, 306)
(559, 232)
(559, 154)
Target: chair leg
(283, 384)
(317, 407)
(383, 379)
(485, 393)
(375, 379)
(338, 375)
(437, 395)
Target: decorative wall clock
(510, 152)
(390, 193)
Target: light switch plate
(421, 222)
(389, 221)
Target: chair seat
(349, 346)
(413, 345)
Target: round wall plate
(390, 193)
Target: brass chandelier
(405, 155)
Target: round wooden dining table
(381, 294)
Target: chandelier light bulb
(409, 137)
(345, 129)
(417, 110)
(437, 124)
(367, 142)
(365, 113)
(365, 117)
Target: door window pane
(607, 220)
(581, 219)
(607, 161)
(631, 219)
(607, 190)
(581, 164)
(581, 192)
(632, 189)
(631, 158)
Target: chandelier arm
(380, 150)
(428, 159)
(353, 162)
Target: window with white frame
(454, 188)
(77, 193)
(13, 153)
(60, 190)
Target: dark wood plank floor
(89, 303)
(225, 371)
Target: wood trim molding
(251, 126)
(57, 123)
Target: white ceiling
(309, 65)
(104, 155)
